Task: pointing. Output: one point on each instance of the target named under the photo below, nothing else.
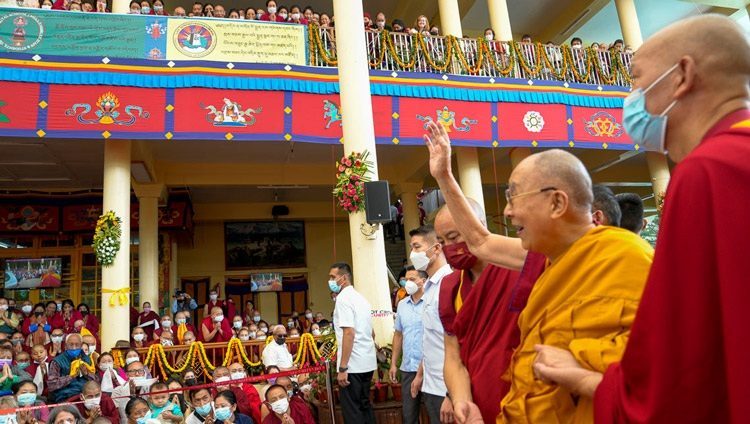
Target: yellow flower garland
(76, 364)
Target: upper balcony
(39, 33)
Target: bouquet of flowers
(107, 238)
(351, 176)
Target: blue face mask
(204, 410)
(73, 353)
(26, 399)
(646, 130)
(333, 286)
(222, 414)
(402, 282)
(144, 418)
(145, 10)
(8, 418)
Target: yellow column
(517, 154)
(411, 210)
(500, 20)
(469, 175)
(368, 253)
(631, 35)
(120, 6)
(148, 239)
(116, 197)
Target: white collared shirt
(354, 311)
(433, 343)
(278, 355)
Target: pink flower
(355, 177)
(358, 163)
(356, 198)
(341, 168)
(351, 192)
(343, 159)
(348, 162)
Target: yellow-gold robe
(584, 302)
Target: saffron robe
(686, 360)
(486, 329)
(585, 302)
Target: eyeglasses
(509, 197)
(141, 371)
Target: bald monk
(586, 298)
(686, 360)
(479, 317)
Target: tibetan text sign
(110, 36)
(236, 41)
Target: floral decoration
(351, 174)
(107, 238)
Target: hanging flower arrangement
(351, 175)
(107, 238)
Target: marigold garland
(416, 43)
(352, 173)
(107, 238)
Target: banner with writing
(110, 36)
(236, 41)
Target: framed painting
(264, 244)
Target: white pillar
(629, 25)
(116, 197)
(631, 35)
(469, 175)
(411, 210)
(148, 250)
(120, 6)
(368, 255)
(500, 20)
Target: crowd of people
(49, 355)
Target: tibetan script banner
(111, 36)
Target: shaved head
(711, 59)
(475, 207)
(549, 201)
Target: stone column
(411, 210)
(368, 253)
(631, 35)
(469, 175)
(500, 20)
(120, 6)
(148, 236)
(116, 197)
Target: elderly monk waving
(686, 360)
(586, 298)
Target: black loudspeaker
(377, 202)
(280, 210)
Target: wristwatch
(343, 369)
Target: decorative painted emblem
(603, 124)
(155, 54)
(231, 114)
(107, 113)
(331, 113)
(26, 31)
(533, 121)
(3, 117)
(194, 40)
(447, 118)
(85, 217)
(155, 30)
(26, 218)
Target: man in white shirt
(277, 353)
(356, 353)
(427, 255)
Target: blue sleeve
(174, 306)
(398, 326)
(193, 304)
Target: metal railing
(396, 51)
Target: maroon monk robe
(486, 327)
(686, 360)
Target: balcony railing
(392, 51)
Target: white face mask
(105, 366)
(214, 297)
(488, 37)
(280, 406)
(271, 10)
(308, 316)
(316, 332)
(92, 403)
(181, 321)
(411, 287)
(237, 325)
(222, 379)
(165, 342)
(244, 338)
(92, 348)
(283, 15)
(57, 339)
(26, 309)
(295, 16)
(3, 307)
(47, 6)
(419, 260)
(166, 324)
(239, 375)
(139, 337)
(219, 318)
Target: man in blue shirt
(407, 339)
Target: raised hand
(439, 145)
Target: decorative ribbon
(181, 330)
(120, 295)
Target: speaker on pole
(377, 202)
